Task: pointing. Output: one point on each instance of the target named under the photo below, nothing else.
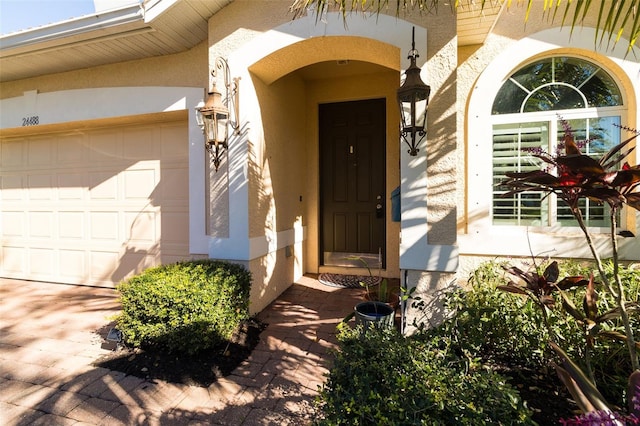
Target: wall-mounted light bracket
(218, 113)
(413, 100)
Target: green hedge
(185, 307)
(383, 378)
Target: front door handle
(379, 207)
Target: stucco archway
(272, 63)
(290, 84)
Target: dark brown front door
(352, 184)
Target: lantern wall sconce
(413, 99)
(218, 113)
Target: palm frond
(614, 17)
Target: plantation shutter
(513, 145)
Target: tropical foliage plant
(573, 176)
(492, 344)
(383, 378)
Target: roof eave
(81, 28)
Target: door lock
(379, 211)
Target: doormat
(348, 281)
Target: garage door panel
(104, 225)
(139, 184)
(104, 147)
(72, 265)
(71, 225)
(14, 259)
(103, 266)
(39, 152)
(107, 204)
(114, 267)
(40, 224)
(42, 262)
(138, 143)
(12, 188)
(174, 226)
(13, 224)
(71, 186)
(70, 150)
(140, 227)
(40, 187)
(103, 186)
(172, 184)
(11, 154)
(169, 149)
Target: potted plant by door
(376, 311)
(380, 303)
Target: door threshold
(353, 260)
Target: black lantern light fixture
(215, 116)
(413, 99)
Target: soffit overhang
(475, 22)
(154, 28)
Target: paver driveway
(51, 334)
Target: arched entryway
(334, 121)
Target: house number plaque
(33, 120)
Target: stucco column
(416, 252)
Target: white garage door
(94, 206)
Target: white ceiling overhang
(475, 21)
(155, 28)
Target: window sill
(522, 241)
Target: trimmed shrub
(185, 307)
(383, 378)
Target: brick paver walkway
(51, 334)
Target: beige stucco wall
(179, 70)
(279, 172)
(473, 60)
(283, 157)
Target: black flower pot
(376, 314)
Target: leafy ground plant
(511, 334)
(381, 377)
(572, 177)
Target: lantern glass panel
(405, 115)
(221, 133)
(210, 129)
(421, 113)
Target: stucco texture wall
(186, 69)
(278, 176)
(511, 31)
(278, 151)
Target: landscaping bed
(199, 369)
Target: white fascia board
(153, 9)
(72, 27)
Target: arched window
(527, 115)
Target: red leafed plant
(573, 176)
(540, 287)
